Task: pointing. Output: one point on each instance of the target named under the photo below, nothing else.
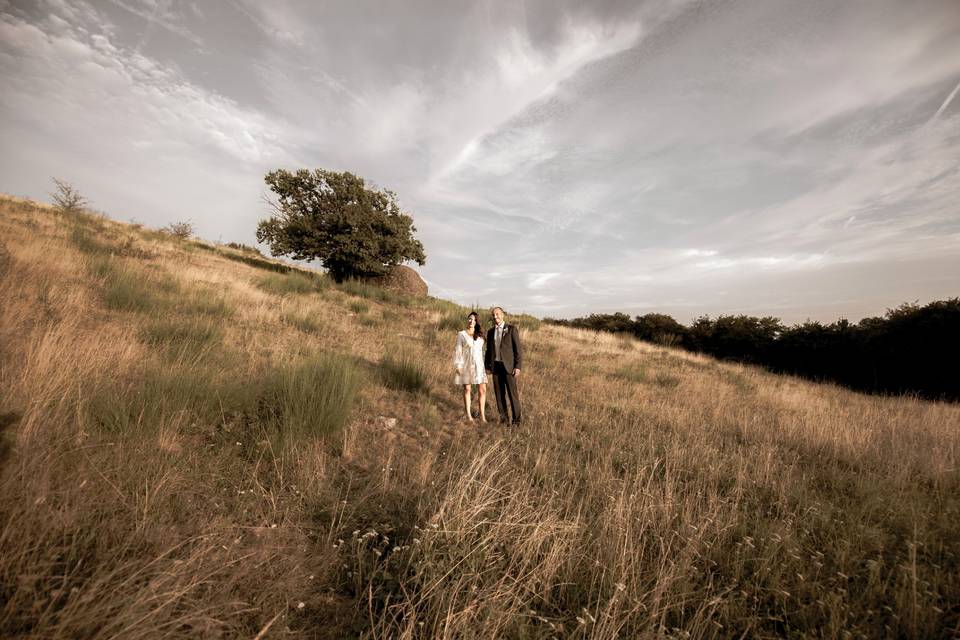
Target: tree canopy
(334, 217)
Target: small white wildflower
(301, 605)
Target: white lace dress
(468, 359)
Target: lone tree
(354, 230)
(67, 199)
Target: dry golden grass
(165, 471)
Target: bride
(468, 360)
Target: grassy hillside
(197, 442)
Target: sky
(770, 157)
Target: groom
(503, 358)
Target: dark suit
(504, 382)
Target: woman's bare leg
(483, 401)
(466, 401)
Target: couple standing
(500, 354)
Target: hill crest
(219, 441)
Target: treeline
(911, 349)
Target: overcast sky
(792, 158)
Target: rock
(387, 423)
(402, 279)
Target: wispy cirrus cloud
(558, 157)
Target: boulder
(403, 280)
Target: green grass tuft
(125, 288)
(313, 397)
(88, 243)
(404, 371)
(666, 381)
(181, 336)
(633, 372)
(204, 302)
(291, 283)
(359, 307)
(256, 261)
(453, 320)
(139, 407)
(375, 293)
(302, 322)
(525, 321)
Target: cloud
(539, 280)
(556, 155)
(160, 146)
(160, 13)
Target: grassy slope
(194, 446)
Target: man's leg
(500, 390)
(514, 394)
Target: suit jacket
(510, 351)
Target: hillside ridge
(196, 438)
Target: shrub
(403, 371)
(67, 199)
(182, 230)
(359, 307)
(239, 246)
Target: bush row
(911, 349)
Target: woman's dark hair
(477, 329)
